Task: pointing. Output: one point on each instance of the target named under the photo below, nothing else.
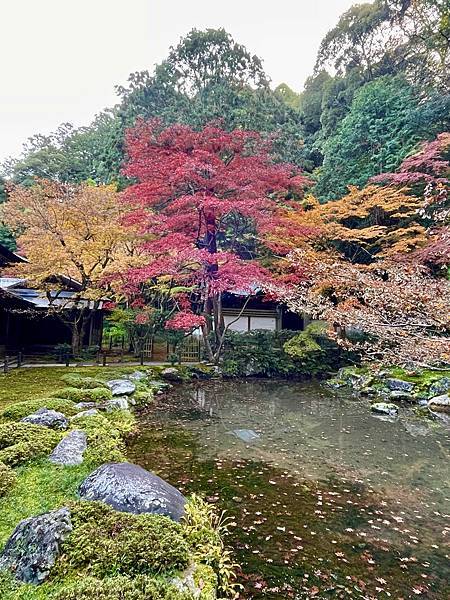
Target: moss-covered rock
(105, 542)
(7, 479)
(97, 394)
(20, 442)
(15, 412)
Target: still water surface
(329, 500)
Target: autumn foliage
(205, 203)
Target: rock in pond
(384, 408)
(440, 403)
(117, 404)
(69, 451)
(399, 385)
(171, 374)
(35, 544)
(130, 488)
(47, 418)
(121, 387)
(440, 387)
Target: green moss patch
(20, 442)
(98, 394)
(75, 380)
(105, 542)
(8, 479)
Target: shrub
(98, 394)
(121, 587)
(15, 412)
(20, 442)
(7, 479)
(281, 353)
(78, 381)
(105, 542)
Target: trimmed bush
(105, 542)
(20, 442)
(7, 479)
(141, 587)
(98, 394)
(78, 381)
(15, 412)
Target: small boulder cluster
(427, 389)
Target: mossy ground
(110, 555)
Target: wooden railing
(11, 362)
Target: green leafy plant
(205, 529)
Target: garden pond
(326, 499)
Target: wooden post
(104, 359)
(5, 365)
(142, 358)
(19, 360)
(67, 359)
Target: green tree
(375, 136)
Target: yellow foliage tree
(73, 237)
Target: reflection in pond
(329, 500)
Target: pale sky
(60, 59)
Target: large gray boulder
(35, 544)
(121, 387)
(69, 451)
(47, 418)
(399, 385)
(440, 403)
(130, 488)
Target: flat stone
(117, 404)
(171, 374)
(85, 413)
(47, 418)
(87, 405)
(130, 488)
(400, 395)
(120, 387)
(137, 376)
(440, 403)
(384, 408)
(70, 449)
(35, 544)
(399, 385)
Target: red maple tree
(205, 202)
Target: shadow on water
(328, 500)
